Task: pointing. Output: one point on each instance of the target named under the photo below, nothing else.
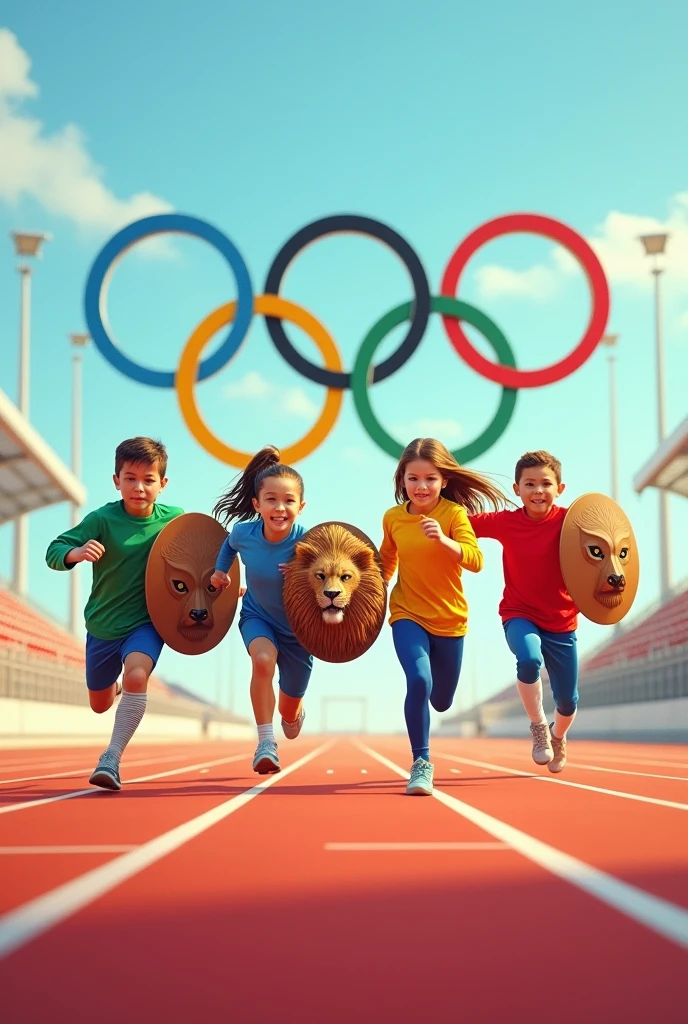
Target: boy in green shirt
(117, 539)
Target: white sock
(265, 732)
(531, 696)
(562, 724)
(130, 711)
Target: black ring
(363, 226)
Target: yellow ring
(185, 379)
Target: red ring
(533, 223)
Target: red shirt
(534, 587)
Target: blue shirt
(261, 558)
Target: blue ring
(95, 295)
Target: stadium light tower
(26, 246)
(611, 340)
(79, 341)
(654, 246)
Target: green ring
(447, 306)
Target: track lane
(352, 935)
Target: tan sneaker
(542, 743)
(559, 748)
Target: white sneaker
(420, 783)
(266, 759)
(542, 743)
(292, 729)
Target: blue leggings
(432, 665)
(532, 646)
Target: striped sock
(130, 711)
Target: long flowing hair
(237, 502)
(464, 486)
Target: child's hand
(220, 580)
(242, 591)
(431, 529)
(283, 567)
(91, 551)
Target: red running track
(203, 892)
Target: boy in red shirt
(538, 613)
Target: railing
(23, 677)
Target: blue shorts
(294, 662)
(104, 658)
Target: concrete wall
(21, 720)
(657, 720)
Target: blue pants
(294, 663)
(104, 658)
(432, 665)
(532, 646)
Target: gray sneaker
(106, 774)
(559, 752)
(542, 743)
(420, 783)
(266, 758)
(292, 729)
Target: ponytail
(237, 503)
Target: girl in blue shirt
(265, 502)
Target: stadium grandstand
(42, 685)
(636, 683)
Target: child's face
(278, 504)
(139, 484)
(423, 483)
(538, 489)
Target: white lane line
(382, 847)
(665, 918)
(34, 918)
(84, 771)
(624, 771)
(94, 789)
(564, 782)
(9, 851)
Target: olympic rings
(364, 226)
(268, 305)
(103, 267)
(538, 225)
(332, 375)
(448, 307)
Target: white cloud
(55, 170)
(292, 402)
(538, 282)
(617, 245)
(448, 431)
(252, 385)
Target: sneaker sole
(544, 761)
(418, 792)
(105, 781)
(266, 767)
(556, 768)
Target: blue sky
(433, 118)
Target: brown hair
(141, 450)
(540, 458)
(238, 501)
(465, 487)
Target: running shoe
(559, 752)
(420, 783)
(292, 729)
(542, 743)
(266, 758)
(106, 774)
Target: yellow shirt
(429, 590)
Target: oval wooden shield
(189, 616)
(599, 558)
(334, 594)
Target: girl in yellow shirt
(428, 536)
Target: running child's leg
(560, 651)
(523, 638)
(295, 665)
(446, 655)
(412, 645)
(263, 652)
(103, 666)
(139, 652)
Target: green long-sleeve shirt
(117, 603)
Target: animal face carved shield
(190, 615)
(334, 594)
(599, 558)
